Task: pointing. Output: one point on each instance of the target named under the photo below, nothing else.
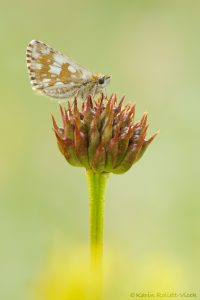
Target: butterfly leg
(93, 92)
(79, 93)
(105, 92)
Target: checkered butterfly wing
(53, 74)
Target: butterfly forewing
(52, 73)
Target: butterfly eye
(102, 80)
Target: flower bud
(102, 135)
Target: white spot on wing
(60, 59)
(56, 64)
(35, 54)
(84, 76)
(72, 69)
(54, 70)
(33, 42)
(37, 66)
(45, 51)
(58, 83)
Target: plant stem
(97, 185)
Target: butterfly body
(55, 75)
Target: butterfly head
(102, 82)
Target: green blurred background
(151, 49)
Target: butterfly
(53, 74)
